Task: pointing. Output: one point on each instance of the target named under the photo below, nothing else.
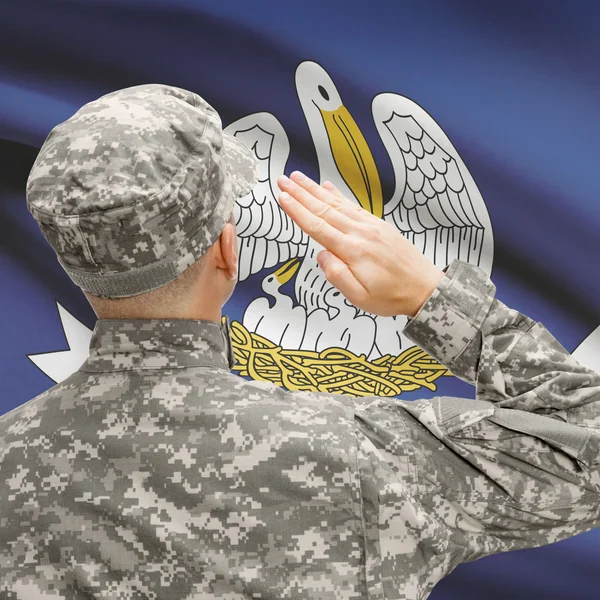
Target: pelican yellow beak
(287, 270)
(353, 158)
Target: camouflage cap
(136, 186)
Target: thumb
(340, 276)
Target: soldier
(154, 472)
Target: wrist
(425, 286)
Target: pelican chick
(283, 323)
(339, 326)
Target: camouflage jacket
(153, 472)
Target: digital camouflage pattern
(153, 472)
(136, 186)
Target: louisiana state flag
(471, 127)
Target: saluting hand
(367, 259)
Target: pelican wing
(266, 235)
(436, 203)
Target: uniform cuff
(452, 316)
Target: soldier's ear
(227, 255)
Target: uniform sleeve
(517, 467)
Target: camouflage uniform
(154, 472)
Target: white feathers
(436, 203)
(267, 236)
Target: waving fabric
(472, 127)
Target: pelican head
(337, 303)
(287, 270)
(340, 145)
(281, 276)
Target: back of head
(135, 188)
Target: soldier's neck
(198, 311)
(203, 314)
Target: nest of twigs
(335, 370)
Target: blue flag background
(515, 86)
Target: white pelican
(436, 203)
(284, 323)
(338, 327)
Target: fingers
(331, 188)
(350, 209)
(316, 227)
(336, 200)
(330, 194)
(326, 209)
(303, 187)
(339, 275)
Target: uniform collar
(131, 344)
